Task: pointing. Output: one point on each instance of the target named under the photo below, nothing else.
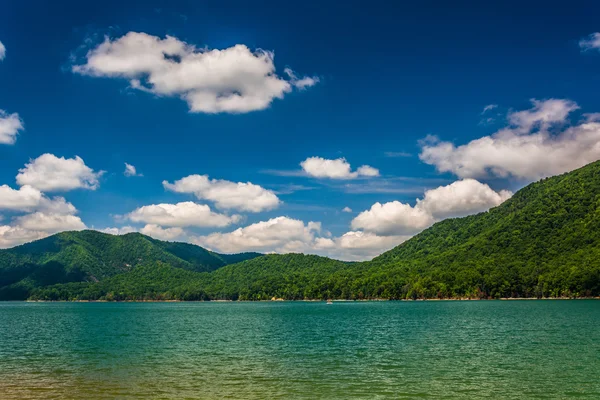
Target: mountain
(94, 256)
(289, 276)
(543, 242)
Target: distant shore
(307, 300)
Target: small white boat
(329, 302)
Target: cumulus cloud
(232, 80)
(2, 51)
(378, 229)
(28, 199)
(335, 169)
(38, 225)
(226, 194)
(347, 209)
(285, 235)
(45, 215)
(51, 173)
(460, 198)
(50, 223)
(542, 115)
(357, 245)
(11, 236)
(537, 143)
(22, 199)
(393, 218)
(10, 125)
(591, 42)
(130, 170)
(281, 235)
(182, 215)
(160, 233)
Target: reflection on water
(525, 349)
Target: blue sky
(397, 87)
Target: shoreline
(305, 300)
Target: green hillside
(543, 242)
(289, 276)
(93, 256)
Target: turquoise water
(370, 350)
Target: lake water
(368, 350)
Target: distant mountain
(290, 276)
(91, 256)
(543, 242)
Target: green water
(485, 349)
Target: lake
(301, 350)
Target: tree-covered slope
(289, 276)
(94, 256)
(544, 241)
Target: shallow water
(483, 349)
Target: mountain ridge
(93, 256)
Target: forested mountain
(543, 242)
(91, 256)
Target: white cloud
(489, 107)
(393, 218)
(542, 115)
(460, 198)
(397, 154)
(56, 205)
(301, 83)
(285, 235)
(374, 231)
(35, 226)
(50, 223)
(182, 215)
(347, 209)
(11, 236)
(367, 170)
(281, 235)
(2, 51)
(46, 215)
(530, 148)
(225, 194)
(159, 233)
(357, 245)
(233, 80)
(335, 169)
(51, 173)
(10, 125)
(25, 198)
(130, 170)
(592, 117)
(28, 199)
(123, 230)
(590, 42)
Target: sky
(316, 127)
